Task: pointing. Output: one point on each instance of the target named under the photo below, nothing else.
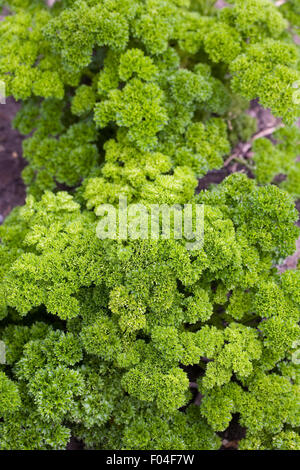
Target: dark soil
(233, 434)
(12, 189)
(75, 444)
(213, 177)
(264, 117)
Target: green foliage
(286, 440)
(275, 69)
(280, 159)
(138, 108)
(9, 398)
(143, 310)
(139, 98)
(180, 431)
(291, 11)
(243, 127)
(150, 181)
(153, 68)
(255, 19)
(267, 406)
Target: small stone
(14, 155)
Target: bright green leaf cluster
(146, 310)
(152, 68)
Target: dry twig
(242, 150)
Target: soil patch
(12, 189)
